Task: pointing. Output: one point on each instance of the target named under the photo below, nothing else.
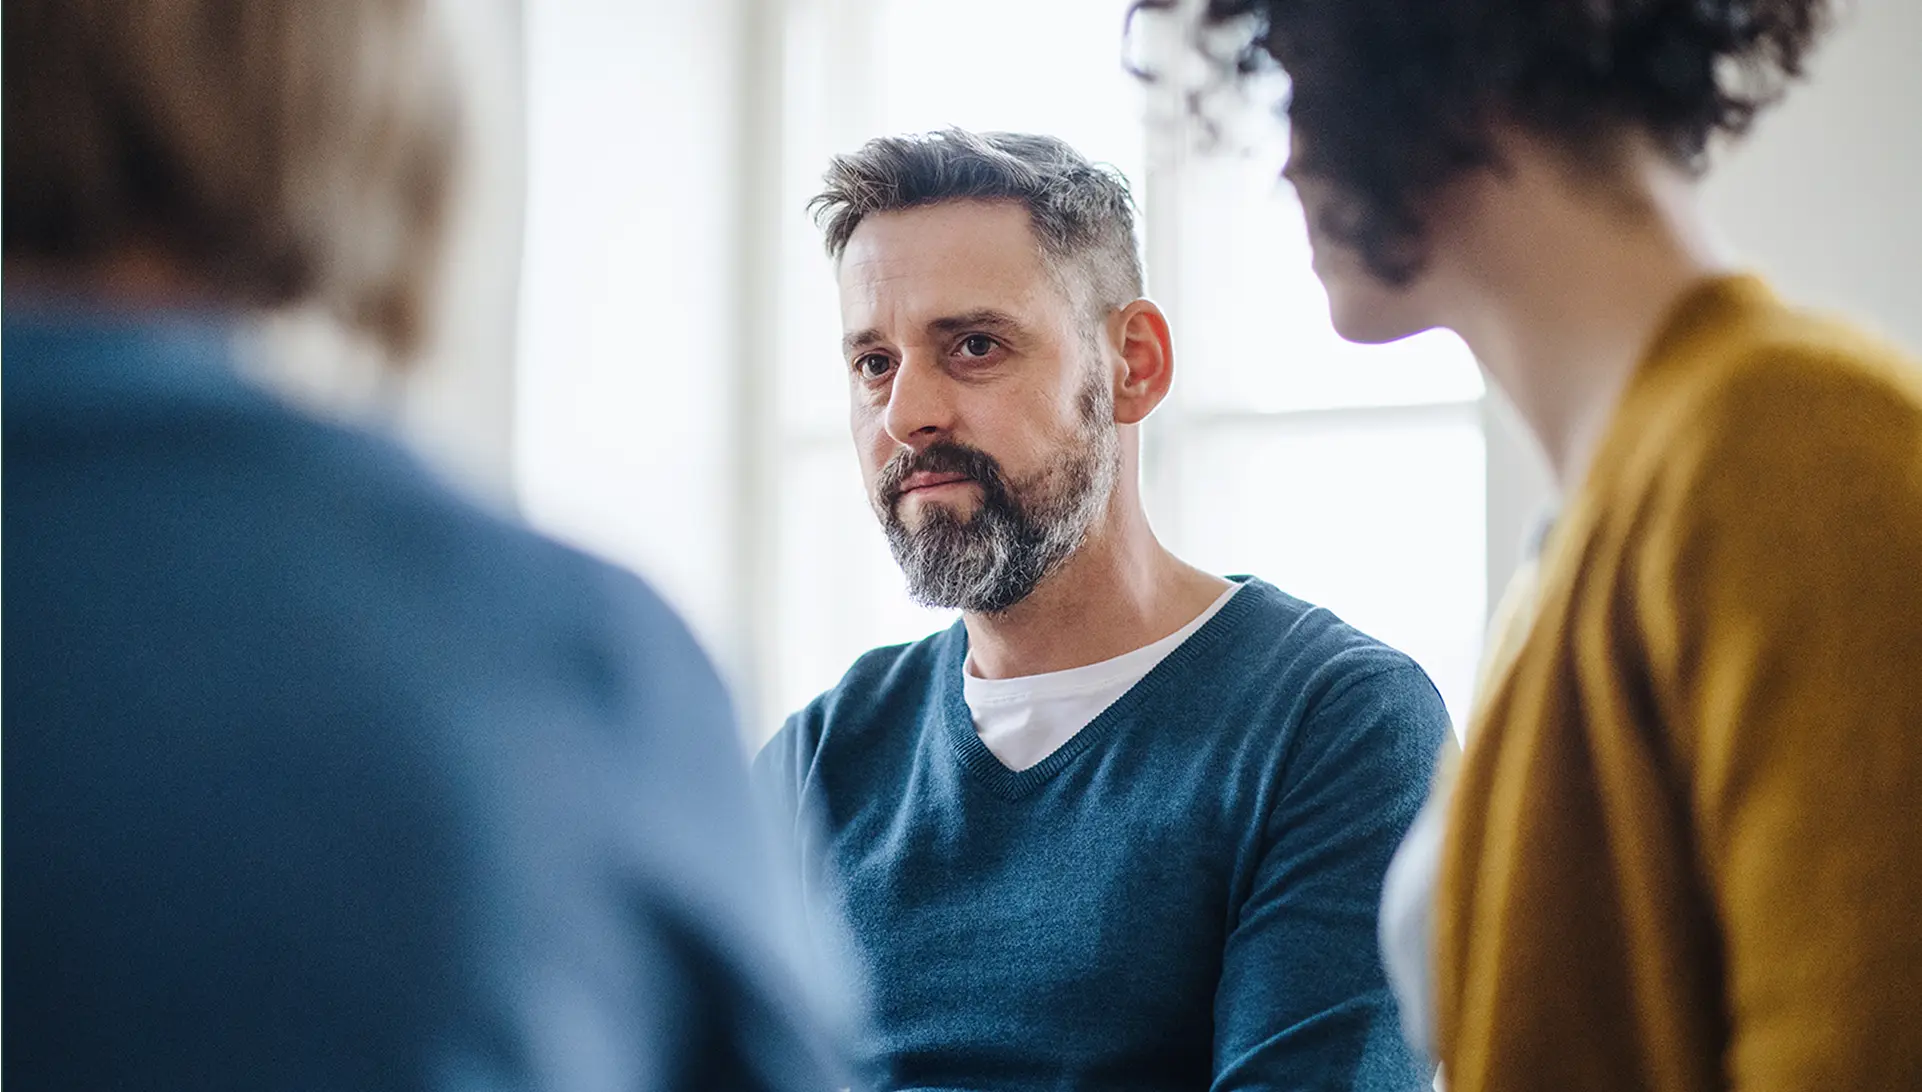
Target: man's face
(982, 405)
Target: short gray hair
(1081, 212)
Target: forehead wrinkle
(991, 319)
(938, 305)
(892, 276)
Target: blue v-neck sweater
(1182, 897)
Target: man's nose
(920, 407)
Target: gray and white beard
(1017, 537)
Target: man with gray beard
(1124, 824)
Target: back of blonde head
(274, 152)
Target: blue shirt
(318, 777)
(1182, 897)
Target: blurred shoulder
(1777, 382)
(1801, 416)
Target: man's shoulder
(876, 690)
(1292, 640)
(1347, 697)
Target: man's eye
(977, 345)
(873, 366)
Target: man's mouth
(930, 480)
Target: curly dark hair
(1391, 99)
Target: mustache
(940, 457)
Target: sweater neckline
(979, 761)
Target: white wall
(1826, 197)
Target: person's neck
(1573, 298)
(135, 278)
(1120, 591)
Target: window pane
(820, 116)
(1379, 518)
(1050, 67)
(839, 592)
(1253, 328)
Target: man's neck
(1121, 590)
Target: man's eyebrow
(982, 318)
(860, 338)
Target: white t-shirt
(1025, 719)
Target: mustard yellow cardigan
(1685, 847)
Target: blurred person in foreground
(1681, 851)
(1123, 825)
(316, 776)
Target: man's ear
(1139, 333)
